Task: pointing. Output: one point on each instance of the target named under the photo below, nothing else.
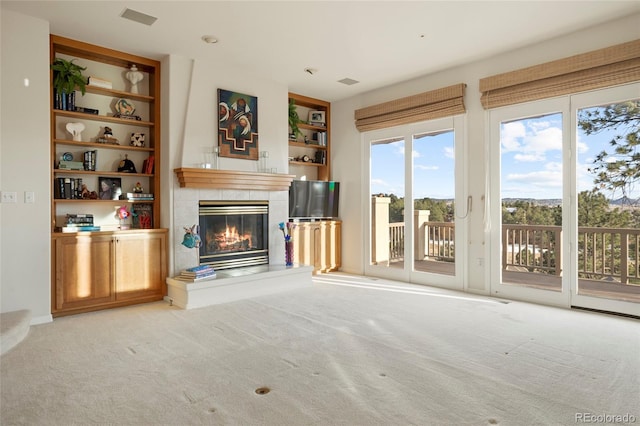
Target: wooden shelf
(306, 145)
(119, 94)
(126, 266)
(302, 163)
(99, 173)
(102, 118)
(312, 127)
(101, 145)
(231, 179)
(320, 171)
(84, 200)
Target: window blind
(606, 67)
(438, 103)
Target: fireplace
(234, 233)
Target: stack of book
(197, 273)
(138, 196)
(80, 223)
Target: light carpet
(348, 351)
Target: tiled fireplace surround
(186, 215)
(230, 285)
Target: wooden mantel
(231, 179)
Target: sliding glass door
(420, 241)
(607, 259)
(565, 221)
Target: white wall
(348, 146)
(25, 253)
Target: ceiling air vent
(348, 81)
(138, 17)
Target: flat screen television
(314, 199)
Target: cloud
(510, 133)
(449, 152)
(421, 167)
(550, 177)
(530, 140)
(414, 153)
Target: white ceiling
(375, 42)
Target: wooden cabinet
(101, 270)
(315, 145)
(116, 265)
(318, 244)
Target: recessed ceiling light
(209, 39)
(348, 81)
(139, 17)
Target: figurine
(76, 130)
(85, 194)
(191, 238)
(138, 188)
(137, 139)
(107, 137)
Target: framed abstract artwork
(237, 125)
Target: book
(88, 228)
(86, 110)
(148, 166)
(142, 216)
(99, 82)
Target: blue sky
(433, 159)
(531, 162)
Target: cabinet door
(304, 245)
(84, 271)
(141, 265)
(330, 255)
(318, 244)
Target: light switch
(9, 197)
(29, 197)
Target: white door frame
(493, 252)
(584, 100)
(406, 133)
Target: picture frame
(237, 125)
(317, 118)
(110, 188)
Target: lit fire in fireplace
(231, 240)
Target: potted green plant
(67, 76)
(294, 120)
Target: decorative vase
(288, 253)
(134, 76)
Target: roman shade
(438, 103)
(606, 67)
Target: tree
(619, 168)
(594, 210)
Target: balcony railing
(611, 254)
